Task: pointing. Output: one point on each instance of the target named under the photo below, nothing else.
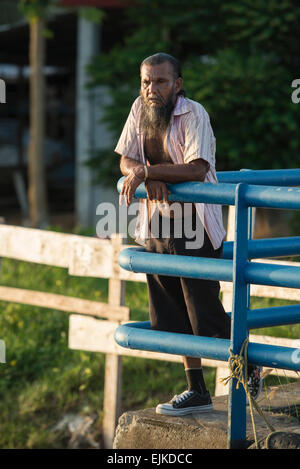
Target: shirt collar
(182, 106)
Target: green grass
(43, 379)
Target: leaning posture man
(168, 138)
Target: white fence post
(113, 362)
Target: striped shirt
(189, 136)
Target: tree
(239, 60)
(35, 10)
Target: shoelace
(182, 397)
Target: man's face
(158, 85)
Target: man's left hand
(157, 190)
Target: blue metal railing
(233, 189)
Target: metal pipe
(273, 197)
(137, 260)
(139, 336)
(239, 329)
(281, 177)
(271, 274)
(223, 193)
(273, 316)
(268, 177)
(261, 248)
(257, 318)
(193, 192)
(267, 247)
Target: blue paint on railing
(268, 247)
(140, 336)
(233, 189)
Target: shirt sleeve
(128, 141)
(199, 138)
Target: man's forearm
(129, 164)
(170, 173)
(174, 173)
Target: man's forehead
(163, 69)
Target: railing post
(239, 331)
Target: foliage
(34, 9)
(239, 59)
(92, 14)
(259, 131)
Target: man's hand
(130, 184)
(157, 190)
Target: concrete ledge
(144, 429)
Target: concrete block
(144, 429)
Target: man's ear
(178, 84)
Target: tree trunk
(37, 193)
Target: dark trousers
(186, 305)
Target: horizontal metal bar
(143, 338)
(137, 260)
(140, 337)
(267, 247)
(274, 356)
(261, 317)
(271, 274)
(261, 248)
(272, 316)
(257, 318)
(273, 197)
(193, 192)
(255, 196)
(272, 177)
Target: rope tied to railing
(238, 366)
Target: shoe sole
(160, 409)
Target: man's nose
(152, 88)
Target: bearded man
(168, 138)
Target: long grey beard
(155, 119)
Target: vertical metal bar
(239, 332)
(250, 232)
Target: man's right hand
(157, 190)
(130, 184)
